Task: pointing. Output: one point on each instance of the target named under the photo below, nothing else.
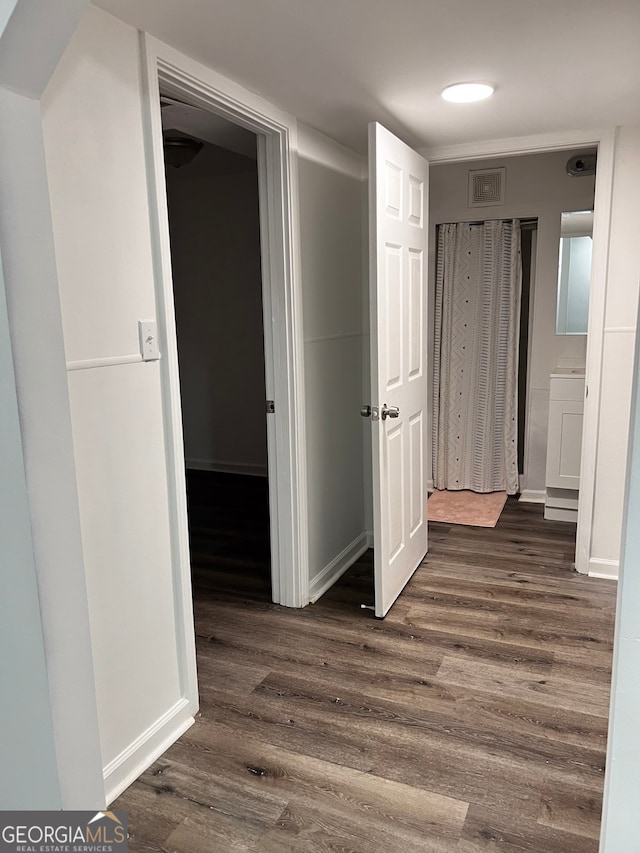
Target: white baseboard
(559, 513)
(337, 567)
(227, 467)
(369, 535)
(563, 499)
(139, 755)
(429, 486)
(607, 569)
(533, 496)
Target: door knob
(389, 411)
(365, 411)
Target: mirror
(574, 272)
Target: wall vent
(487, 188)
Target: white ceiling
(338, 64)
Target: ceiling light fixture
(466, 93)
(180, 150)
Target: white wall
(30, 47)
(537, 185)
(27, 749)
(331, 259)
(215, 255)
(33, 308)
(621, 817)
(619, 338)
(92, 119)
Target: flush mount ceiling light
(465, 93)
(180, 150)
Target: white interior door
(398, 234)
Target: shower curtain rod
(524, 223)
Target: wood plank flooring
(473, 718)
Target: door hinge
(271, 407)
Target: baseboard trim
(337, 567)
(369, 535)
(533, 496)
(559, 513)
(139, 755)
(607, 569)
(227, 467)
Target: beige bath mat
(464, 507)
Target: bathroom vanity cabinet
(564, 444)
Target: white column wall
(29, 49)
(27, 748)
(620, 815)
(623, 281)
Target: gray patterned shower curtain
(475, 382)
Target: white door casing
(398, 238)
(189, 81)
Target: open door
(398, 234)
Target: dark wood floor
(472, 718)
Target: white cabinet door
(398, 206)
(564, 444)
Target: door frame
(178, 75)
(605, 140)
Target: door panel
(391, 321)
(416, 327)
(395, 498)
(398, 194)
(416, 471)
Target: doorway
(190, 83)
(214, 225)
(537, 188)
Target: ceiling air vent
(487, 188)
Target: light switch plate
(148, 332)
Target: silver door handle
(365, 411)
(389, 412)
